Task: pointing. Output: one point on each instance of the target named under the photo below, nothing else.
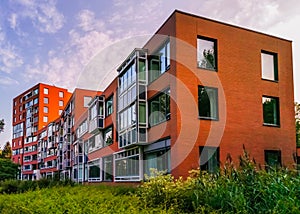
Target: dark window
(159, 160)
(269, 65)
(209, 159)
(108, 136)
(271, 111)
(159, 108)
(109, 106)
(272, 159)
(108, 168)
(159, 62)
(208, 102)
(207, 53)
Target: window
(160, 62)
(207, 53)
(20, 116)
(159, 160)
(208, 102)
(61, 94)
(160, 108)
(45, 109)
(127, 165)
(20, 108)
(108, 136)
(35, 101)
(46, 100)
(94, 170)
(269, 65)
(271, 111)
(60, 112)
(272, 159)
(46, 91)
(209, 158)
(109, 106)
(45, 119)
(108, 168)
(61, 103)
(86, 101)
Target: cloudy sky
(55, 42)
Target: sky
(59, 42)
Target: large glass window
(108, 168)
(159, 62)
(109, 106)
(127, 165)
(272, 159)
(108, 136)
(94, 170)
(269, 65)
(271, 111)
(207, 53)
(159, 160)
(208, 102)
(128, 78)
(209, 158)
(160, 108)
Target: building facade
(198, 92)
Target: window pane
(206, 56)
(142, 113)
(208, 102)
(209, 159)
(271, 110)
(269, 66)
(272, 159)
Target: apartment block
(32, 111)
(199, 91)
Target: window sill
(275, 81)
(207, 69)
(271, 125)
(208, 118)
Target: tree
(2, 125)
(8, 169)
(297, 123)
(6, 152)
(209, 59)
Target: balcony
(96, 124)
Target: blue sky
(55, 42)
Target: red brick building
(198, 91)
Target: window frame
(110, 98)
(277, 113)
(205, 166)
(215, 41)
(269, 167)
(166, 92)
(217, 104)
(275, 65)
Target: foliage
(78, 199)
(2, 125)
(297, 123)
(8, 169)
(6, 152)
(242, 190)
(18, 186)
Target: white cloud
(9, 58)
(6, 81)
(13, 21)
(88, 21)
(43, 14)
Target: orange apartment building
(33, 110)
(198, 91)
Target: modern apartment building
(32, 111)
(198, 92)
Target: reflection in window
(108, 168)
(160, 108)
(208, 102)
(159, 62)
(269, 66)
(272, 159)
(271, 110)
(108, 136)
(206, 53)
(109, 106)
(159, 160)
(209, 158)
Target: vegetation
(233, 190)
(297, 123)
(2, 125)
(6, 152)
(8, 169)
